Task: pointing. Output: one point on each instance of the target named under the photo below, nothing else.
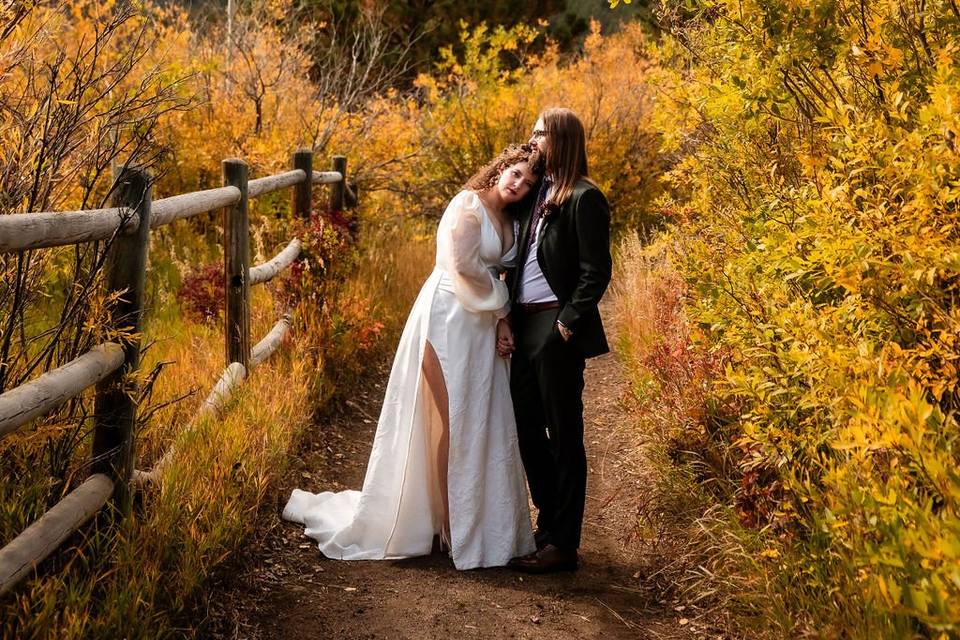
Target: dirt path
(281, 587)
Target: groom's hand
(505, 344)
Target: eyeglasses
(539, 133)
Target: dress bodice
(491, 246)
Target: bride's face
(515, 182)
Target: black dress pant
(546, 382)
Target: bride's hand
(505, 344)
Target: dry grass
(398, 258)
(666, 367)
(124, 584)
(132, 582)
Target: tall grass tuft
(669, 369)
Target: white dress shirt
(533, 284)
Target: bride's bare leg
(433, 373)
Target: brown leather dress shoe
(550, 559)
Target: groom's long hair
(566, 157)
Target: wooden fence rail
(19, 558)
(270, 343)
(44, 394)
(24, 231)
(108, 366)
(274, 267)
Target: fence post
(236, 265)
(338, 189)
(303, 192)
(352, 197)
(115, 405)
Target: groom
(564, 268)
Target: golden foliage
(814, 196)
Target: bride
(445, 459)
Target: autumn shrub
(812, 192)
(477, 101)
(75, 102)
(201, 293)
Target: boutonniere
(548, 209)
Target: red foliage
(368, 335)
(328, 254)
(202, 293)
(680, 365)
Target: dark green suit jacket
(574, 255)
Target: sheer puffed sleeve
(474, 283)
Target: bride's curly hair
(488, 176)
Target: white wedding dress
(400, 508)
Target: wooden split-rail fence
(126, 226)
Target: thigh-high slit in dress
(400, 507)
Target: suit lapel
(547, 222)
